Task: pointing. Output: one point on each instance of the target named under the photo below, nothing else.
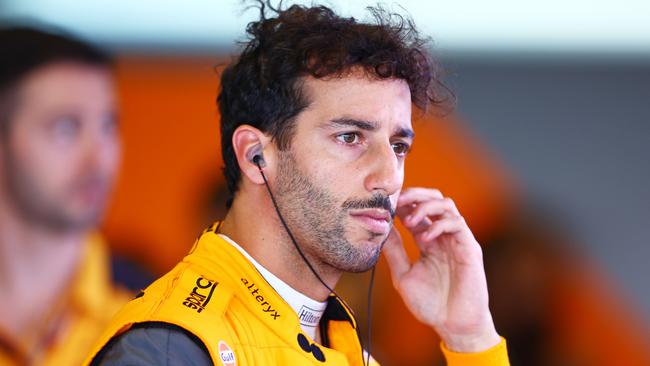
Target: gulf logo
(226, 355)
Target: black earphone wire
(366, 361)
(369, 315)
(293, 240)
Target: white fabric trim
(309, 311)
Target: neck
(266, 240)
(36, 266)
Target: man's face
(339, 181)
(60, 155)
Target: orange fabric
(218, 295)
(593, 325)
(497, 355)
(85, 312)
(230, 312)
(170, 133)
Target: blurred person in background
(553, 305)
(322, 106)
(59, 155)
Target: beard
(42, 207)
(320, 225)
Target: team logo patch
(255, 292)
(308, 316)
(226, 355)
(201, 294)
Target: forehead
(386, 101)
(68, 84)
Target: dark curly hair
(263, 86)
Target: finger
(398, 261)
(434, 207)
(404, 210)
(423, 225)
(448, 225)
(413, 195)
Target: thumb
(396, 257)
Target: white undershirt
(309, 310)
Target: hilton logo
(308, 316)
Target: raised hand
(446, 286)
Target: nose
(101, 149)
(386, 173)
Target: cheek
(52, 166)
(394, 198)
(343, 182)
(334, 169)
(33, 170)
(57, 170)
(41, 159)
(111, 156)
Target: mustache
(377, 200)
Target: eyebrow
(371, 126)
(364, 125)
(405, 132)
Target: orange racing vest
(216, 294)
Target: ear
(248, 141)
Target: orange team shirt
(78, 318)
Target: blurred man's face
(60, 155)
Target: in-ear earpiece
(258, 160)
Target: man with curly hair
(315, 130)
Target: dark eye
(400, 148)
(348, 137)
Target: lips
(375, 220)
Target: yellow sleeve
(495, 356)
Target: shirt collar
(213, 251)
(309, 310)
